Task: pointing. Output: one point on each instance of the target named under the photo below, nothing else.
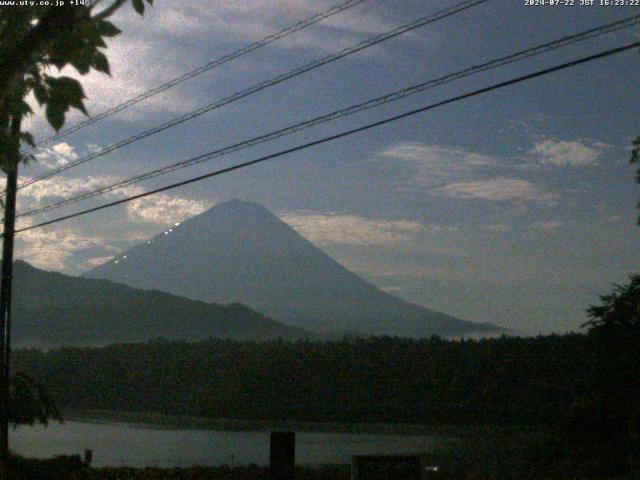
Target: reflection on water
(116, 444)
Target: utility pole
(12, 159)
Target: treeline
(72, 468)
(431, 381)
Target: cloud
(574, 153)
(385, 268)
(245, 22)
(95, 262)
(160, 209)
(208, 30)
(56, 156)
(58, 247)
(436, 155)
(497, 190)
(163, 209)
(104, 92)
(53, 249)
(57, 188)
(545, 225)
(434, 164)
(128, 80)
(462, 174)
(332, 228)
(496, 227)
(613, 219)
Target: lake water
(116, 444)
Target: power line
(363, 128)
(263, 85)
(394, 96)
(204, 68)
(442, 14)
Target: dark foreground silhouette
(571, 402)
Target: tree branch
(15, 62)
(107, 12)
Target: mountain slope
(240, 252)
(54, 309)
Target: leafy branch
(34, 41)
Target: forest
(505, 380)
(582, 389)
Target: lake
(136, 445)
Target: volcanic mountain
(51, 309)
(239, 252)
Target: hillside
(53, 309)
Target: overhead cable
(260, 86)
(202, 69)
(330, 138)
(376, 102)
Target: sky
(516, 207)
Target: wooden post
(283, 456)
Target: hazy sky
(516, 207)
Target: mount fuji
(239, 252)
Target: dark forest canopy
(431, 381)
(584, 388)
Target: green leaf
(58, 62)
(27, 138)
(107, 29)
(64, 92)
(21, 109)
(66, 89)
(138, 6)
(16, 106)
(81, 61)
(55, 112)
(27, 158)
(41, 93)
(80, 57)
(80, 106)
(101, 63)
(92, 34)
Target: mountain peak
(234, 214)
(240, 205)
(238, 251)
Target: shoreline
(186, 422)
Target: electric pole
(12, 159)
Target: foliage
(635, 159)
(603, 425)
(30, 402)
(58, 468)
(430, 381)
(490, 453)
(72, 468)
(224, 472)
(34, 40)
(620, 310)
(526, 384)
